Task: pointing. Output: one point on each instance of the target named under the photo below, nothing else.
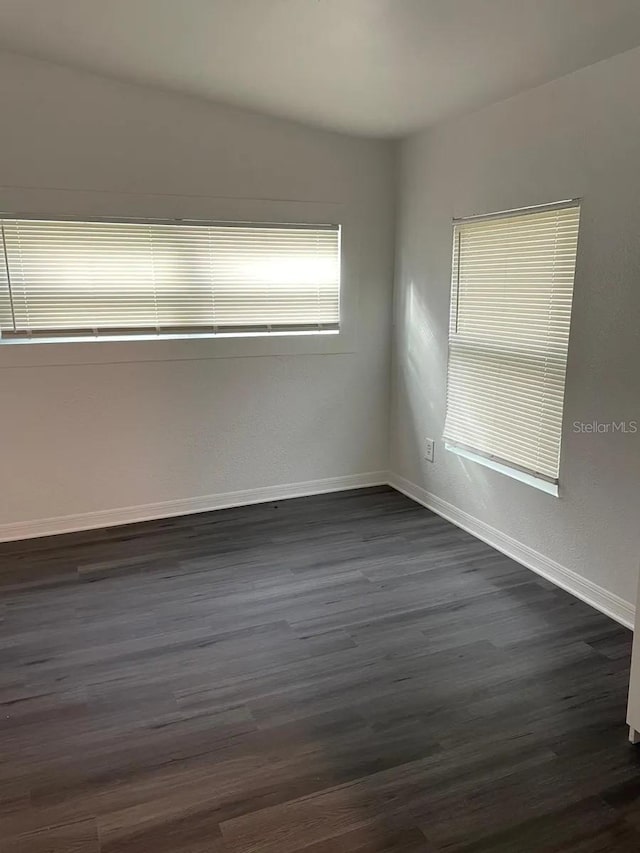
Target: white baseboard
(185, 506)
(607, 602)
(600, 598)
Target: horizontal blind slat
(102, 275)
(512, 289)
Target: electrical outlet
(428, 449)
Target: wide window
(68, 278)
(511, 296)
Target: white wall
(575, 137)
(92, 427)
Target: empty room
(319, 412)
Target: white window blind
(512, 288)
(61, 278)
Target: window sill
(514, 473)
(73, 351)
(92, 339)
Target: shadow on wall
(422, 399)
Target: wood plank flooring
(345, 673)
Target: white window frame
(544, 483)
(355, 265)
(146, 331)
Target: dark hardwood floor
(331, 674)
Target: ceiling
(370, 67)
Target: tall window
(511, 294)
(91, 279)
